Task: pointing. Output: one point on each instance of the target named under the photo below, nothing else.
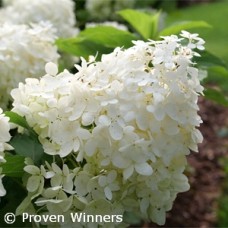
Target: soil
(198, 206)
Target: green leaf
(207, 60)
(13, 167)
(132, 218)
(177, 27)
(108, 36)
(20, 121)
(100, 39)
(218, 76)
(15, 193)
(27, 146)
(216, 96)
(81, 47)
(145, 24)
(17, 119)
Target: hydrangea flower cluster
(103, 9)
(4, 138)
(61, 16)
(122, 127)
(24, 52)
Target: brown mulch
(198, 206)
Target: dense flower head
(61, 16)
(4, 138)
(24, 52)
(126, 123)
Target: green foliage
(145, 24)
(9, 203)
(223, 211)
(132, 218)
(27, 146)
(218, 76)
(216, 96)
(99, 40)
(177, 27)
(17, 119)
(20, 121)
(207, 60)
(14, 165)
(216, 81)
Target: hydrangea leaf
(20, 121)
(207, 60)
(145, 24)
(98, 40)
(27, 146)
(218, 76)
(14, 165)
(109, 36)
(183, 25)
(81, 47)
(216, 96)
(17, 119)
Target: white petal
(51, 68)
(144, 169)
(108, 193)
(105, 120)
(102, 181)
(116, 131)
(87, 118)
(32, 169)
(90, 147)
(2, 189)
(33, 183)
(144, 204)
(128, 172)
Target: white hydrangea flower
(4, 138)
(24, 52)
(36, 181)
(126, 122)
(60, 13)
(4, 135)
(2, 189)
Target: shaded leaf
(207, 60)
(108, 36)
(218, 76)
(17, 119)
(81, 47)
(216, 96)
(20, 121)
(98, 40)
(13, 167)
(28, 147)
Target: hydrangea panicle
(29, 49)
(126, 123)
(26, 12)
